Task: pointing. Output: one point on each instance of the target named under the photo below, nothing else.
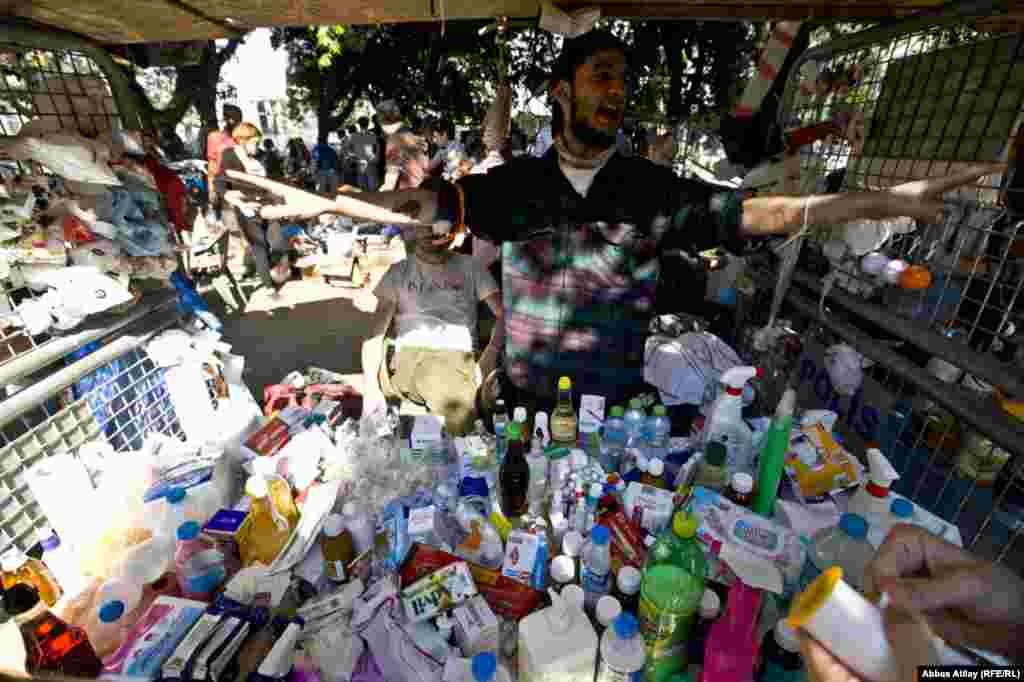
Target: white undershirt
(580, 178)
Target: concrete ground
(308, 323)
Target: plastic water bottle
(538, 463)
(846, 546)
(597, 567)
(200, 568)
(634, 421)
(622, 651)
(659, 430)
(614, 439)
(500, 423)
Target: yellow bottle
(18, 567)
(563, 419)
(267, 530)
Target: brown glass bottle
(514, 476)
(51, 645)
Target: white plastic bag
(72, 156)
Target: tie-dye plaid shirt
(579, 275)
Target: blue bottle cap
(111, 611)
(188, 530)
(854, 525)
(175, 495)
(485, 665)
(902, 508)
(600, 535)
(626, 626)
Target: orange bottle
(268, 528)
(51, 645)
(19, 568)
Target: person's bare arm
(921, 199)
(407, 207)
(373, 356)
(489, 356)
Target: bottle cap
(629, 580)
(257, 486)
(519, 414)
(175, 495)
(715, 453)
(626, 626)
(608, 609)
(20, 598)
(485, 666)
(349, 509)
(564, 384)
(600, 535)
(684, 525)
(743, 483)
(710, 605)
(854, 525)
(334, 524)
(786, 637)
(617, 411)
(573, 594)
(656, 467)
(660, 411)
(188, 530)
(111, 611)
(636, 404)
(500, 404)
(540, 419)
(563, 569)
(901, 508)
(572, 543)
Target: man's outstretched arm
(921, 199)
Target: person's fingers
(955, 588)
(822, 666)
(911, 641)
(911, 550)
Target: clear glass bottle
(500, 424)
(564, 422)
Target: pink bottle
(199, 566)
(732, 646)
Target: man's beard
(590, 136)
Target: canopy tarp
(138, 21)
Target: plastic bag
(84, 290)
(70, 155)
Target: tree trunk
(673, 41)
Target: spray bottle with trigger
(725, 422)
(872, 500)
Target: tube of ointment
(341, 600)
(223, 659)
(201, 664)
(175, 667)
(281, 659)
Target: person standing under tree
(216, 142)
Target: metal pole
(981, 365)
(984, 416)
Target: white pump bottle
(725, 422)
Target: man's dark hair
(364, 122)
(574, 53)
(446, 126)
